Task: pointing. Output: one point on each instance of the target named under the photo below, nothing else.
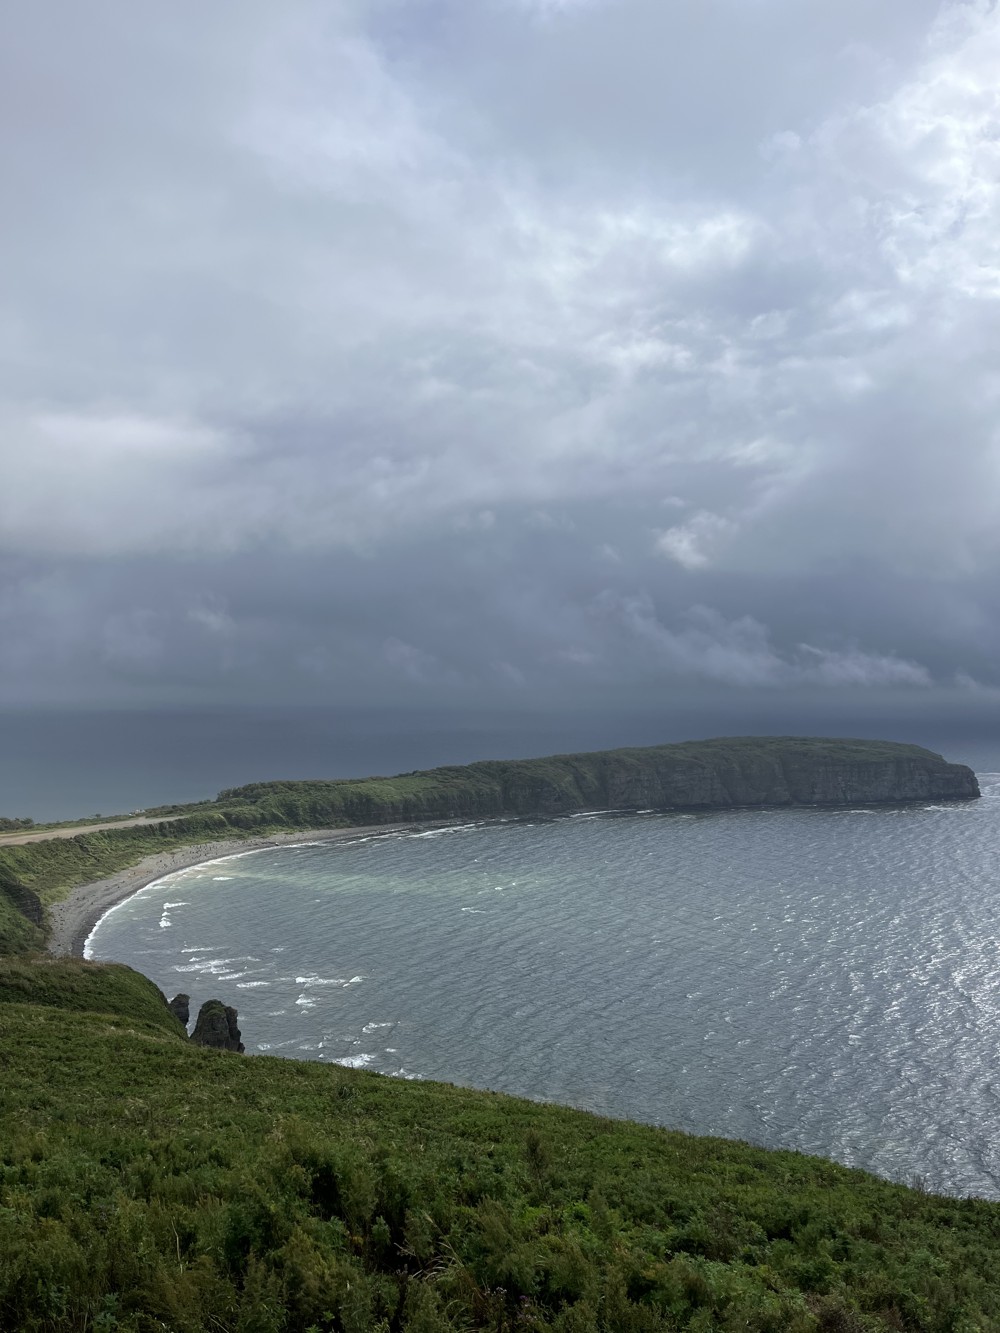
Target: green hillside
(147, 1184)
(93, 988)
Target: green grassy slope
(148, 1184)
(17, 933)
(103, 988)
(50, 869)
(47, 868)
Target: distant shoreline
(723, 773)
(72, 921)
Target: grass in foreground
(147, 1184)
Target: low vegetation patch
(71, 984)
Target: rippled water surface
(820, 980)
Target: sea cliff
(704, 775)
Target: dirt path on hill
(41, 835)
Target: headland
(54, 889)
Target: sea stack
(216, 1027)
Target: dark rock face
(180, 1007)
(25, 900)
(776, 775)
(216, 1027)
(780, 780)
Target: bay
(823, 980)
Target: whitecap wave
(440, 832)
(213, 967)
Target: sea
(820, 980)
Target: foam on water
(441, 832)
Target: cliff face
(706, 775)
(778, 779)
(711, 776)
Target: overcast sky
(499, 351)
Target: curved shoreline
(71, 921)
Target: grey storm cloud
(498, 351)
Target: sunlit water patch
(820, 980)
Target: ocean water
(821, 980)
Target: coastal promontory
(724, 773)
(40, 867)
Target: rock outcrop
(24, 899)
(180, 1007)
(787, 776)
(216, 1027)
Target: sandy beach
(72, 920)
